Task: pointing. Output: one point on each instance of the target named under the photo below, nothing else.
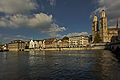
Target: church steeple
(95, 18)
(103, 14)
(103, 27)
(94, 27)
(117, 25)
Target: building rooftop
(17, 41)
(78, 36)
(113, 28)
(50, 39)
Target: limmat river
(59, 65)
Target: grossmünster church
(100, 27)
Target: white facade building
(31, 44)
(36, 44)
(78, 41)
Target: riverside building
(50, 43)
(35, 44)
(63, 43)
(78, 41)
(16, 45)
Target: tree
(90, 38)
(65, 38)
(0, 43)
(97, 38)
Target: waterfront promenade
(62, 49)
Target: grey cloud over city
(112, 9)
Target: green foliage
(65, 38)
(0, 43)
(90, 38)
(97, 38)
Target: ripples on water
(59, 65)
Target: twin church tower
(100, 27)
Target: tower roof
(103, 10)
(103, 13)
(95, 18)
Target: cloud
(14, 21)
(7, 38)
(76, 34)
(72, 34)
(112, 9)
(52, 2)
(22, 37)
(17, 6)
(42, 22)
(15, 16)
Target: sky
(40, 19)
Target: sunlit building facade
(106, 33)
(78, 41)
(16, 45)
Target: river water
(59, 65)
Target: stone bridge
(115, 47)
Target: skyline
(38, 19)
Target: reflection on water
(59, 65)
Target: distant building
(27, 44)
(36, 44)
(112, 32)
(31, 44)
(50, 43)
(16, 45)
(5, 47)
(17, 41)
(63, 43)
(78, 41)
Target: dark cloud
(112, 10)
(7, 38)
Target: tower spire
(103, 27)
(95, 18)
(103, 13)
(117, 25)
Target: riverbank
(61, 49)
